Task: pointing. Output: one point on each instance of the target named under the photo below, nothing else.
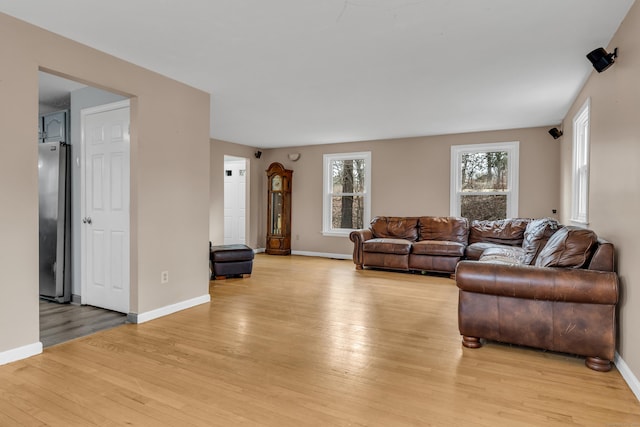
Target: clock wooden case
(279, 210)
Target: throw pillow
(536, 235)
(569, 247)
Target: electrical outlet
(164, 277)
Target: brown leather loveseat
(558, 291)
(424, 243)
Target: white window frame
(327, 229)
(580, 166)
(513, 150)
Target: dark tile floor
(64, 322)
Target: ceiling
(54, 92)
(298, 72)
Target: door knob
(86, 220)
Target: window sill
(337, 233)
(579, 223)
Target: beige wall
(255, 170)
(169, 175)
(614, 186)
(410, 177)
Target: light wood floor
(64, 322)
(308, 341)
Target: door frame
(83, 230)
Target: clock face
(276, 183)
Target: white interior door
(105, 229)
(235, 179)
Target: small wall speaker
(555, 133)
(602, 60)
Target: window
(484, 181)
(580, 199)
(347, 193)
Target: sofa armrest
(541, 283)
(358, 237)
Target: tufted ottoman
(230, 260)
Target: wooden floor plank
(309, 341)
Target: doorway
(63, 320)
(235, 200)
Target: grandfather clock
(279, 210)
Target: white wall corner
(627, 374)
(166, 310)
(19, 353)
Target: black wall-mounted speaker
(555, 133)
(602, 60)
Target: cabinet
(279, 210)
(53, 127)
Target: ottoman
(230, 260)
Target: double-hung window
(347, 192)
(580, 199)
(484, 181)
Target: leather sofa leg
(359, 267)
(471, 342)
(598, 364)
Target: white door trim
(83, 234)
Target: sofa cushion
(504, 255)
(568, 247)
(536, 235)
(445, 228)
(438, 247)
(503, 231)
(395, 227)
(387, 246)
(475, 250)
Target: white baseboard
(169, 309)
(19, 353)
(308, 253)
(629, 377)
(322, 254)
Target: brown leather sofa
(424, 243)
(530, 282)
(558, 291)
(433, 244)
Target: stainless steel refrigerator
(55, 209)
